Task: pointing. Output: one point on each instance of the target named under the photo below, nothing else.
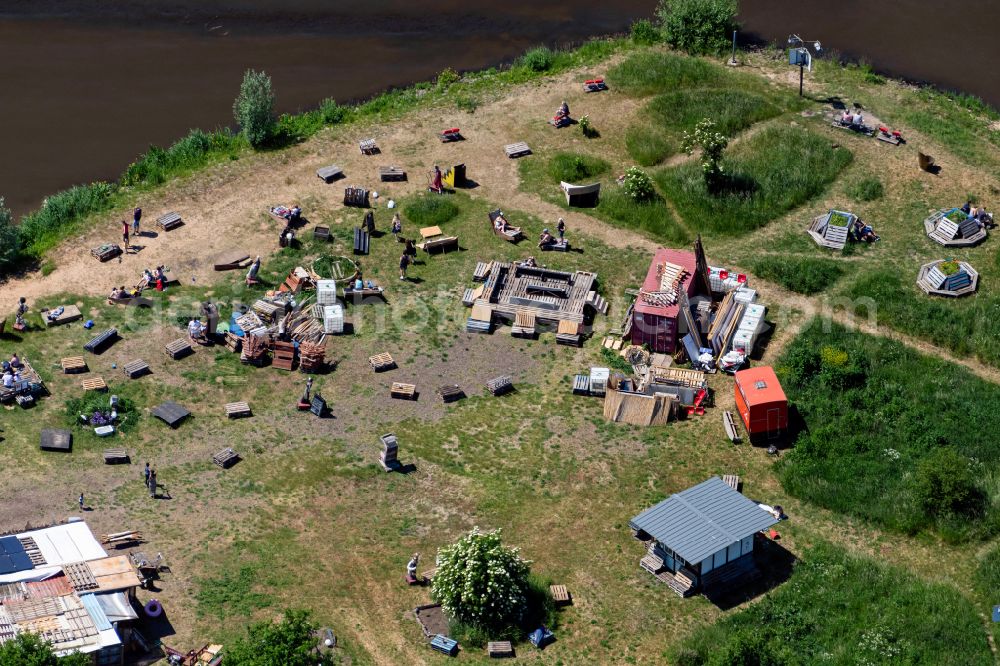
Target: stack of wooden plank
(284, 355)
(499, 649)
(236, 410)
(179, 348)
(169, 221)
(451, 393)
(251, 324)
(382, 362)
(135, 369)
(121, 537)
(268, 311)
(560, 595)
(103, 340)
(312, 356)
(233, 342)
(500, 385)
(254, 350)
(303, 328)
(73, 364)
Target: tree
(254, 107)
(29, 649)
(480, 582)
(698, 26)
(944, 483)
(10, 240)
(712, 144)
(286, 643)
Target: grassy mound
(668, 116)
(897, 438)
(652, 72)
(575, 168)
(428, 211)
(842, 609)
(772, 172)
(966, 327)
(805, 275)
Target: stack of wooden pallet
(251, 324)
(267, 311)
(312, 356)
(451, 393)
(391, 173)
(368, 147)
(95, 384)
(284, 355)
(73, 364)
(135, 369)
(500, 385)
(254, 350)
(382, 362)
(303, 328)
(169, 221)
(524, 325)
(178, 349)
(226, 458)
(101, 341)
(233, 342)
(236, 410)
(356, 196)
(115, 456)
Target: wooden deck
(510, 289)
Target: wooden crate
(95, 384)
(382, 362)
(560, 594)
(235, 410)
(118, 456)
(226, 458)
(73, 364)
(284, 355)
(499, 649)
(403, 391)
(135, 369)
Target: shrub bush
(866, 189)
(10, 240)
(333, 113)
(447, 77)
(638, 184)
(480, 582)
(573, 168)
(59, 210)
(538, 59)
(291, 642)
(944, 483)
(804, 275)
(429, 211)
(254, 107)
(29, 649)
(698, 26)
(644, 32)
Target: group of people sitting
(12, 371)
(197, 331)
(548, 240)
(863, 232)
(852, 119)
(561, 116)
(979, 214)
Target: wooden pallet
(135, 369)
(500, 385)
(106, 252)
(169, 221)
(362, 240)
(236, 410)
(451, 393)
(499, 649)
(732, 480)
(178, 349)
(560, 595)
(356, 196)
(101, 341)
(391, 173)
(73, 364)
(442, 643)
(519, 149)
(328, 174)
(382, 362)
(581, 385)
(368, 147)
(80, 576)
(226, 458)
(95, 384)
(117, 456)
(403, 391)
(284, 355)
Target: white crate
(755, 310)
(333, 319)
(326, 292)
(599, 380)
(744, 340)
(746, 296)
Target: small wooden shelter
(639, 408)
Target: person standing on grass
(397, 226)
(125, 233)
(80, 500)
(152, 483)
(404, 263)
(561, 228)
(146, 473)
(136, 216)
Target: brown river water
(89, 84)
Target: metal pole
(734, 48)
(801, 70)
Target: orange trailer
(761, 402)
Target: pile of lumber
(251, 324)
(121, 537)
(284, 355)
(254, 350)
(268, 311)
(233, 342)
(312, 356)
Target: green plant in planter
(949, 267)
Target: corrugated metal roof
(702, 520)
(95, 612)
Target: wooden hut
(761, 402)
(701, 538)
(662, 315)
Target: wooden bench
(135, 369)
(732, 480)
(500, 385)
(95, 384)
(499, 649)
(581, 196)
(391, 173)
(73, 364)
(226, 458)
(560, 595)
(169, 221)
(442, 643)
(382, 362)
(178, 349)
(368, 147)
(519, 149)
(328, 174)
(451, 393)
(362, 239)
(105, 252)
(403, 391)
(103, 340)
(236, 410)
(117, 456)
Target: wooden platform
(106, 252)
(731, 430)
(560, 595)
(169, 221)
(499, 649)
(451, 393)
(231, 260)
(171, 413)
(382, 362)
(403, 391)
(135, 369)
(732, 480)
(284, 355)
(500, 385)
(368, 147)
(179, 348)
(53, 439)
(118, 456)
(389, 174)
(519, 149)
(105, 339)
(328, 174)
(94, 384)
(510, 288)
(73, 364)
(69, 314)
(236, 410)
(226, 458)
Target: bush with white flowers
(481, 582)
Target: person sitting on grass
(114, 296)
(196, 331)
(847, 118)
(546, 238)
(8, 379)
